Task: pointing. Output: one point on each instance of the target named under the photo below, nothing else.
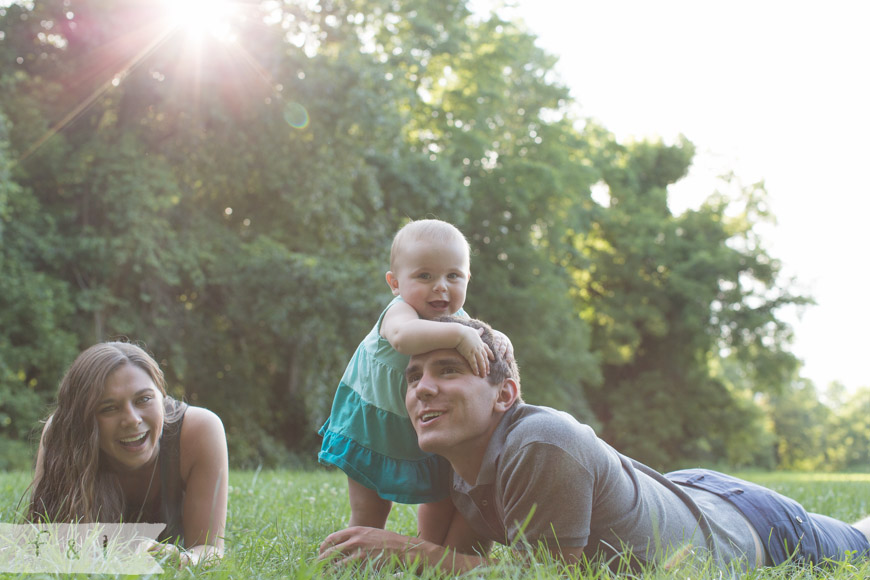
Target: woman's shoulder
(199, 421)
(201, 431)
(202, 438)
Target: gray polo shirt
(545, 477)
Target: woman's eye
(105, 410)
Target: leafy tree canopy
(228, 199)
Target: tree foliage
(229, 202)
(666, 296)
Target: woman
(118, 449)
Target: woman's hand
(179, 557)
(169, 553)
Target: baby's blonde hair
(437, 231)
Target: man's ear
(393, 283)
(508, 392)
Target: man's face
(454, 411)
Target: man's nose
(426, 387)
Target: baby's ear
(393, 283)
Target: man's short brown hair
(499, 369)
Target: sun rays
(204, 35)
(198, 18)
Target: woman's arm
(205, 471)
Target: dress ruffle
(368, 434)
(424, 480)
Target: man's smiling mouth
(429, 416)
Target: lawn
(277, 519)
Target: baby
(368, 433)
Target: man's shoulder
(544, 440)
(537, 424)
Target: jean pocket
(792, 540)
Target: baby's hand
(503, 346)
(475, 351)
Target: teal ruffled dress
(369, 435)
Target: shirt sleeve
(548, 496)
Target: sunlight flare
(199, 18)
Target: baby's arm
(409, 334)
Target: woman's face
(130, 418)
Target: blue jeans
(788, 531)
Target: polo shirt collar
(495, 448)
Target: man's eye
(413, 378)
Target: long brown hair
(74, 486)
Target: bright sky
(770, 89)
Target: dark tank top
(170, 509)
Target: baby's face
(432, 278)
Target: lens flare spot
(296, 115)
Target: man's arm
(462, 538)
(372, 544)
(357, 544)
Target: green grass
(277, 519)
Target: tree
(230, 204)
(665, 296)
(802, 427)
(847, 433)
(34, 346)
(486, 108)
(201, 215)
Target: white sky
(772, 90)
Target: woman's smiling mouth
(134, 440)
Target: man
(529, 476)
